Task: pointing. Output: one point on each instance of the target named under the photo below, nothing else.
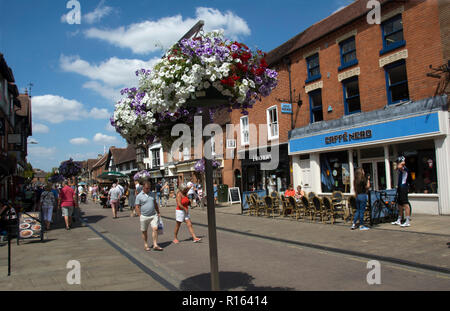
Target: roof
(123, 155)
(25, 105)
(5, 71)
(333, 22)
(100, 161)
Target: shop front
(255, 178)
(325, 155)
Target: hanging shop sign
(286, 108)
(348, 137)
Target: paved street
(255, 253)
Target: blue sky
(78, 70)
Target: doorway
(377, 170)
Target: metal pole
(211, 212)
(9, 243)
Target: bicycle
(385, 210)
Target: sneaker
(398, 222)
(353, 227)
(363, 228)
(406, 224)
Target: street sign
(286, 108)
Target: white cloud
(114, 72)
(82, 156)
(151, 36)
(104, 139)
(40, 128)
(110, 93)
(79, 141)
(32, 141)
(93, 17)
(41, 152)
(96, 113)
(57, 109)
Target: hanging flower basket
(141, 176)
(70, 168)
(206, 72)
(200, 165)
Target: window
(245, 137)
(396, 82)
(392, 31)
(272, 122)
(335, 171)
(156, 158)
(351, 96)
(315, 102)
(313, 68)
(348, 53)
(213, 144)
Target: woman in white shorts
(182, 214)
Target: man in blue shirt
(402, 193)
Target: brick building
(359, 96)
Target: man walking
(158, 192)
(148, 210)
(402, 193)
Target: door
(377, 171)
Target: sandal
(197, 240)
(147, 249)
(176, 241)
(157, 249)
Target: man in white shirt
(114, 197)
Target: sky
(78, 70)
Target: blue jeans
(361, 201)
(158, 198)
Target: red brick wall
(422, 22)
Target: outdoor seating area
(310, 207)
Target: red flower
(235, 55)
(229, 81)
(244, 68)
(264, 63)
(245, 57)
(259, 71)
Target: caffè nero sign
(346, 137)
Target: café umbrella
(112, 175)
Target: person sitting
(300, 193)
(290, 192)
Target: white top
(114, 193)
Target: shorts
(47, 213)
(67, 210)
(402, 196)
(181, 216)
(149, 220)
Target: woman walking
(132, 199)
(182, 213)
(361, 184)
(48, 202)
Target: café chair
(270, 207)
(297, 209)
(318, 208)
(286, 206)
(308, 209)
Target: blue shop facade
(325, 154)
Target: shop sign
(266, 157)
(345, 137)
(14, 139)
(286, 108)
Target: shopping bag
(160, 227)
